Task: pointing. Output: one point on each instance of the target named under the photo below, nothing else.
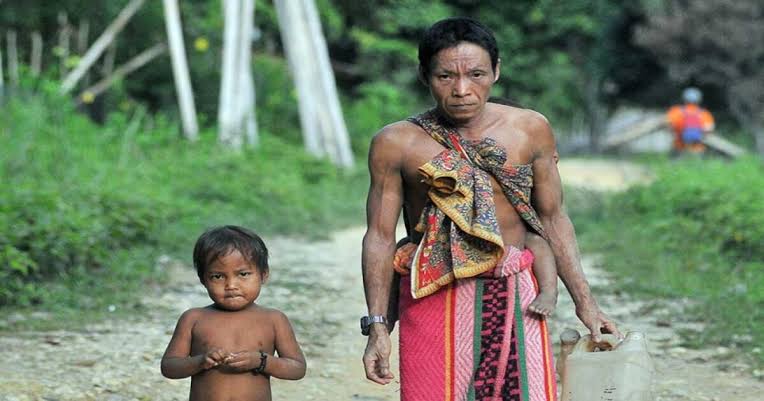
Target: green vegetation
(85, 210)
(696, 232)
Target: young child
(232, 347)
(545, 270)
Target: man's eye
(444, 76)
(477, 74)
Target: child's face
(232, 282)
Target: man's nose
(461, 87)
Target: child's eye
(216, 276)
(244, 274)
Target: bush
(81, 201)
(696, 232)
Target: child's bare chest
(233, 333)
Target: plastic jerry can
(606, 371)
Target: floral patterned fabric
(461, 233)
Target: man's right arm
(383, 208)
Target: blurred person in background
(690, 123)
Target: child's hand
(214, 357)
(242, 361)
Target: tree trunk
(246, 100)
(180, 72)
(101, 44)
(228, 86)
(321, 119)
(335, 127)
(108, 60)
(35, 62)
(13, 58)
(295, 42)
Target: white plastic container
(608, 371)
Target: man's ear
(497, 70)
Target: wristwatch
(367, 321)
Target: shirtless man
(459, 63)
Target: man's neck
(469, 129)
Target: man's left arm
(547, 200)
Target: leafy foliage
(79, 200)
(695, 232)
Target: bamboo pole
(133, 64)
(180, 72)
(35, 62)
(13, 58)
(83, 32)
(100, 45)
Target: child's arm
(290, 362)
(176, 362)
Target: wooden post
(35, 62)
(133, 64)
(332, 109)
(291, 22)
(100, 45)
(13, 58)
(180, 72)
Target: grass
(696, 233)
(86, 209)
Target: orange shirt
(675, 117)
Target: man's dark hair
(450, 32)
(218, 242)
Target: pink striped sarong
(475, 340)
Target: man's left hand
(597, 321)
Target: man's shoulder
(521, 117)
(397, 135)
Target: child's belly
(216, 385)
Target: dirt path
(319, 286)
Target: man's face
(232, 282)
(461, 79)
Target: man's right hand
(376, 358)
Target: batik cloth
(474, 340)
(461, 236)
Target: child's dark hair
(218, 242)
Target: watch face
(365, 325)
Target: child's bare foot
(544, 303)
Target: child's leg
(545, 270)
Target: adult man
(465, 332)
(690, 123)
